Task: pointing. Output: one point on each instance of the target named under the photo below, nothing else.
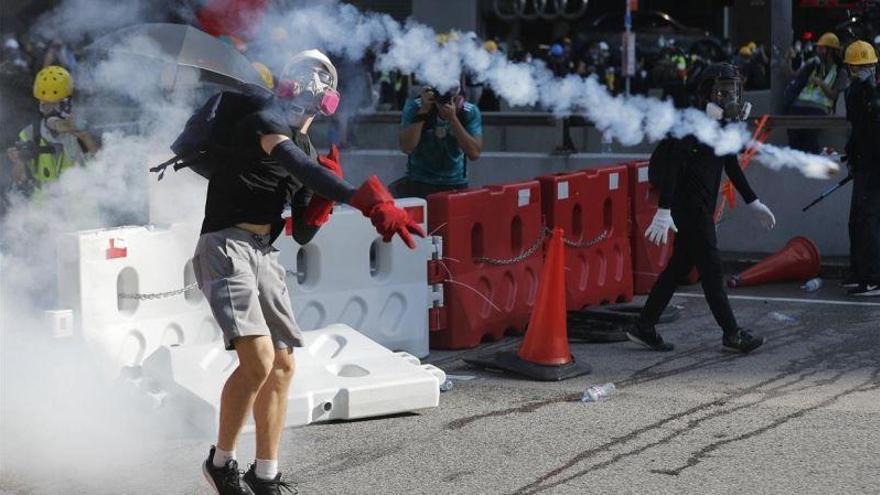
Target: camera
(443, 98)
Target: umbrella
(185, 46)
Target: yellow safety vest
(46, 166)
(812, 95)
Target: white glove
(658, 232)
(765, 216)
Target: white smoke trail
(412, 48)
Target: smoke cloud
(66, 426)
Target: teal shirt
(438, 159)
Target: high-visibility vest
(50, 159)
(812, 95)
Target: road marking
(788, 299)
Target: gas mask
(307, 85)
(725, 101)
(61, 109)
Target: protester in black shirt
(688, 192)
(238, 270)
(863, 152)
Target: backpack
(203, 145)
(657, 164)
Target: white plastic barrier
(346, 274)
(125, 286)
(340, 374)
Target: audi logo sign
(511, 10)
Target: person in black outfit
(863, 152)
(237, 267)
(688, 194)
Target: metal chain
(516, 259)
(585, 244)
(545, 232)
(159, 295)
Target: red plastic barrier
(649, 260)
(482, 299)
(592, 207)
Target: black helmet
(721, 84)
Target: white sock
(221, 456)
(266, 469)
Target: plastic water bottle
(446, 386)
(812, 285)
(596, 393)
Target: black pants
(407, 188)
(864, 233)
(695, 244)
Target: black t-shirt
(254, 188)
(863, 147)
(693, 178)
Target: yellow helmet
(265, 74)
(490, 46)
(745, 51)
(53, 84)
(830, 40)
(860, 53)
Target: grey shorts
(239, 274)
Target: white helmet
(309, 82)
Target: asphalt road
(801, 415)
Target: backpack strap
(177, 161)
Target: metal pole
(627, 24)
(780, 43)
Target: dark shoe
(266, 487)
(650, 339)
(865, 290)
(742, 341)
(226, 480)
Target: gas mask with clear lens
(307, 85)
(309, 91)
(61, 109)
(726, 102)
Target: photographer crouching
(440, 132)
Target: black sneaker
(226, 480)
(651, 339)
(865, 290)
(742, 341)
(267, 487)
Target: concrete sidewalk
(801, 415)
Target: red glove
(318, 211)
(376, 202)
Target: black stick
(828, 192)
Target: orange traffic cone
(544, 353)
(798, 260)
